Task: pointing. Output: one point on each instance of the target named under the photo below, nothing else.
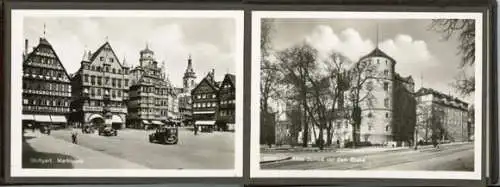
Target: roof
(377, 53)
(232, 78)
(213, 84)
(45, 43)
(94, 55)
(408, 79)
(427, 91)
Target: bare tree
(464, 31)
(295, 64)
(360, 87)
(269, 77)
(337, 65)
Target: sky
(209, 41)
(420, 52)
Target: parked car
(165, 135)
(107, 131)
(87, 129)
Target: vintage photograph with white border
(338, 94)
(126, 93)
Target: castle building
(100, 89)
(441, 116)
(46, 94)
(227, 102)
(152, 96)
(386, 102)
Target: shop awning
(205, 123)
(116, 119)
(28, 117)
(157, 122)
(145, 122)
(204, 112)
(58, 119)
(42, 118)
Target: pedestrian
(195, 130)
(74, 137)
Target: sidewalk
(45, 151)
(313, 154)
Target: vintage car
(87, 129)
(107, 131)
(165, 135)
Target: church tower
(189, 76)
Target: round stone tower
(377, 95)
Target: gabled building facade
(46, 92)
(100, 89)
(205, 97)
(151, 94)
(227, 103)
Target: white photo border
(256, 172)
(16, 169)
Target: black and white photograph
(127, 93)
(366, 95)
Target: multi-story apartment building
(441, 116)
(46, 92)
(205, 97)
(152, 97)
(227, 102)
(100, 89)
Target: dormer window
(101, 58)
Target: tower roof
(147, 50)
(377, 53)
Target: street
(453, 157)
(131, 149)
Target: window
(213, 96)
(99, 92)
(111, 60)
(101, 58)
(386, 115)
(99, 81)
(113, 82)
(386, 86)
(24, 85)
(107, 69)
(126, 82)
(98, 68)
(86, 78)
(386, 72)
(370, 115)
(25, 101)
(370, 127)
(92, 79)
(107, 81)
(114, 70)
(119, 81)
(386, 102)
(387, 128)
(92, 93)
